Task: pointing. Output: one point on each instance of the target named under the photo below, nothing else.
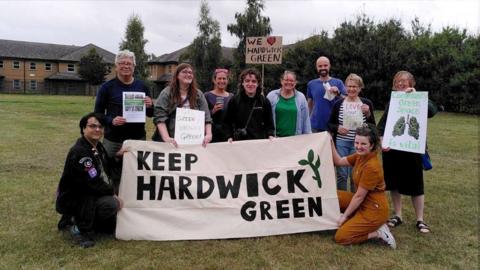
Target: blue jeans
(345, 148)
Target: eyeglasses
(128, 64)
(189, 72)
(94, 126)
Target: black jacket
(260, 125)
(85, 175)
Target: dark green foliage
(300, 59)
(251, 23)
(92, 68)
(445, 64)
(205, 52)
(135, 43)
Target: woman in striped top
(348, 114)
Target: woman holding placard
(217, 100)
(182, 92)
(404, 170)
(347, 115)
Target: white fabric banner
(406, 127)
(243, 189)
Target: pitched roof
(47, 51)
(65, 76)
(174, 57)
(107, 56)
(169, 57)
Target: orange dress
(373, 211)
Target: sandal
(394, 221)
(422, 227)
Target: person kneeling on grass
(85, 195)
(365, 212)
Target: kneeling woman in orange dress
(365, 211)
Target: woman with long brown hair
(182, 92)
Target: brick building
(42, 68)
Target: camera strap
(251, 112)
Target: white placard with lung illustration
(406, 128)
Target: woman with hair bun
(217, 100)
(365, 211)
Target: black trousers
(96, 214)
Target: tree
(135, 43)
(92, 68)
(249, 24)
(375, 51)
(301, 58)
(205, 52)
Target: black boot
(84, 240)
(65, 223)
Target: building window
(169, 69)
(16, 84)
(48, 66)
(71, 68)
(33, 85)
(16, 64)
(33, 66)
(1, 63)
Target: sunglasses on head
(220, 70)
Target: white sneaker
(385, 234)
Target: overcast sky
(171, 25)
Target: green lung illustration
(399, 127)
(413, 127)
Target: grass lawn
(37, 132)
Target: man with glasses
(109, 102)
(85, 195)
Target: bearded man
(321, 94)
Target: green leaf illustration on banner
(310, 156)
(315, 166)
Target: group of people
(87, 190)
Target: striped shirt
(350, 116)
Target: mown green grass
(37, 131)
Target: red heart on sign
(271, 40)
